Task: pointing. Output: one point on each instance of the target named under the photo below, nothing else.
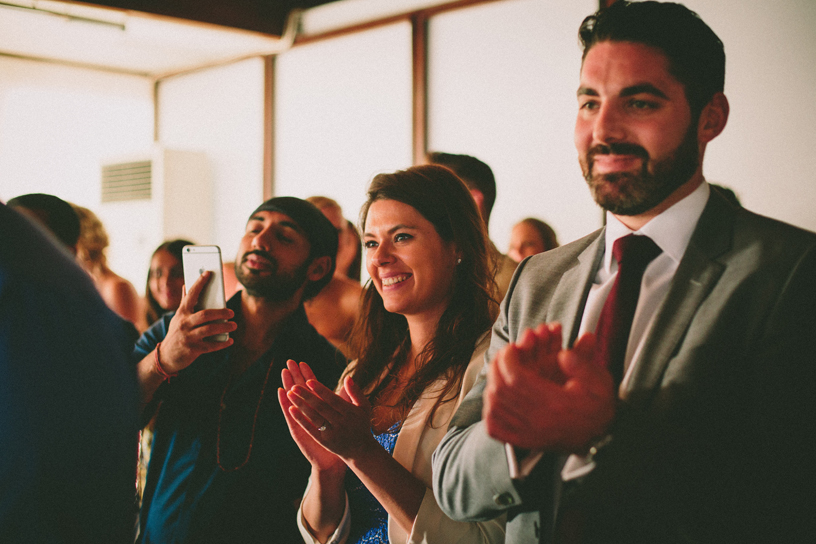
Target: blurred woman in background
(117, 292)
(350, 253)
(165, 279)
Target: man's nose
(261, 240)
(609, 125)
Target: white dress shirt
(671, 231)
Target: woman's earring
(459, 260)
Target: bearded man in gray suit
(706, 434)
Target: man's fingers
(586, 346)
(580, 360)
(501, 423)
(190, 299)
(527, 340)
(213, 314)
(510, 367)
(555, 338)
(203, 333)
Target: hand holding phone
(199, 259)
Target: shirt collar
(671, 230)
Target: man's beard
(628, 193)
(276, 286)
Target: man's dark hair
(696, 55)
(56, 214)
(476, 175)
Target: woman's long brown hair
(380, 338)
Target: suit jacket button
(504, 499)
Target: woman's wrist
(364, 453)
(328, 475)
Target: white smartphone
(199, 259)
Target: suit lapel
(696, 276)
(571, 293)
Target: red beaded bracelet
(160, 369)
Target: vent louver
(127, 181)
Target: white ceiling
(123, 41)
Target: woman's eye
(370, 244)
(401, 237)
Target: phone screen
(199, 259)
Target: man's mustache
(259, 253)
(618, 149)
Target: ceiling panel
(122, 40)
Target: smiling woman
(165, 279)
(420, 345)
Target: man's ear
(713, 118)
(318, 268)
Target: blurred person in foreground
(223, 466)
(68, 398)
(56, 215)
(654, 381)
(420, 344)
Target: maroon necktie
(633, 253)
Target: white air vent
(149, 197)
(127, 181)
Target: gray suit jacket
(712, 437)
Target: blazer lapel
(696, 276)
(414, 425)
(573, 287)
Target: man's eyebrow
(291, 224)
(285, 223)
(644, 88)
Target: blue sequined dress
(369, 520)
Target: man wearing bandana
(224, 467)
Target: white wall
(58, 124)
(502, 80)
(220, 112)
(765, 153)
(343, 114)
